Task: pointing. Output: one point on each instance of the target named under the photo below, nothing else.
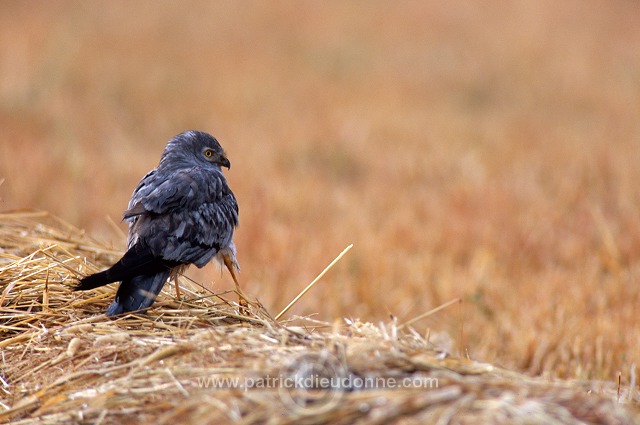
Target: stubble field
(480, 151)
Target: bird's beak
(224, 162)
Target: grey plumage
(183, 212)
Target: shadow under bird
(181, 213)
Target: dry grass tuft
(64, 361)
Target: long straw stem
(309, 286)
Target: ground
(203, 358)
(468, 150)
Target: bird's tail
(138, 292)
(138, 260)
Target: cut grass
(202, 359)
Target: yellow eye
(208, 153)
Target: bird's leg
(175, 273)
(175, 284)
(230, 266)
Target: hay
(64, 361)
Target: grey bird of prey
(181, 213)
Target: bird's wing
(160, 193)
(185, 216)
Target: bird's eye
(208, 153)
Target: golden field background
(482, 150)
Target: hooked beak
(224, 162)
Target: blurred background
(482, 150)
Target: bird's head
(193, 148)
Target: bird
(181, 213)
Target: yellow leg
(175, 284)
(241, 299)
